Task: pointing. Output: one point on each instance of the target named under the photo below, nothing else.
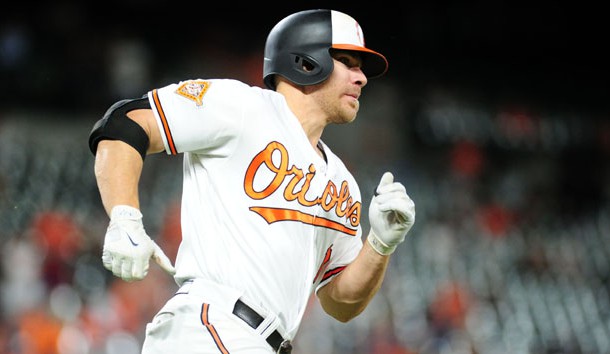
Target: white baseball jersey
(262, 212)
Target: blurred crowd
(510, 252)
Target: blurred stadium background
(494, 115)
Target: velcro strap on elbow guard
(115, 125)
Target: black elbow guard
(115, 125)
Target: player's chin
(351, 106)
(353, 112)
(346, 113)
(347, 118)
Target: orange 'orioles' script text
(335, 198)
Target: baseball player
(269, 213)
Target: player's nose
(359, 76)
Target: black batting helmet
(308, 36)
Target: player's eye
(348, 59)
(345, 61)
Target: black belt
(253, 319)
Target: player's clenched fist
(391, 215)
(127, 247)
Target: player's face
(339, 94)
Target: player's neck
(312, 119)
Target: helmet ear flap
(306, 65)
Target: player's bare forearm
(351, 291)
(118, 167)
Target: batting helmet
(306, 37)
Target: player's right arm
(120, 142)
(118, 165)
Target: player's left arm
(391, 215)
(349, 293)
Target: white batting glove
(391, 215)
(127, 247)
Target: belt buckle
(285, 347)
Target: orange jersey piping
(166, 130)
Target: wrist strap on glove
(121, 212)
(379, 246)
